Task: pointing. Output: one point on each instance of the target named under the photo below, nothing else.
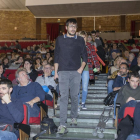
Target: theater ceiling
(73, 8)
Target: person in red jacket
(88, 70)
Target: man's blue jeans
(131, 103)
(85, 81)
(133, 137)
(109, 87)
(6, 135)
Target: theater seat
(35, 120)
(129, 111)
(9, 71)
(11, 77)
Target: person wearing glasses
(28, 92)
(47, 79)
(122, 77)
(69, 50)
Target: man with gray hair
(28, 92)
(47, 79)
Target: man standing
(67, 60)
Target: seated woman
(115, 67)
(28, 65)
(38, 64)
(5, 63)
(49, 57)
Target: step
(88, 125)
(76, 136)
(88, 112)
(96, 91)
(91, 106)
(102, 74)
(100, 95)
(98, 84)
(84, 118)
(93, 100)
(97, 87)
(100, 81)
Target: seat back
(11, 77)
(9, 71)
(129, 111)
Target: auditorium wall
(26, 24)
(17, 25)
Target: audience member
(134, 48)
(12, 46)
(11, 110)
(48, 57)
(122, 77)
(38, 64)
(126, 54)
(47, 80)
(129, 93)
(18, 46)
(5, 63)
(116, 65)
(130, 58)
(1, 72)
(28, 65)
(131, 40)
(115, 48)
(28, 92)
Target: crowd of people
(74, 57)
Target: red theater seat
(129, 111)
(9, 71)
(11, 77)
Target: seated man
(1, 72)
(47, 79)
(121, 79)
(129, 93)
(113, 76)
(11, 110)
(28, 92)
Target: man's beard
(71, 34)
(123, 74)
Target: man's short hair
(93, 32)
(125, 64)
(97, 31)
(6, 82)
(134, 74)
(71, 20)
(47, 65)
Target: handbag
(6, 127)
(109, 100)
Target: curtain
(52, 30)
(133, 28)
